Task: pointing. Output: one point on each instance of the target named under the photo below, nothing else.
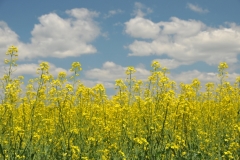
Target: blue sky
(188, 37)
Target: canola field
(55, 119)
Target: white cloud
(27, 69)
(55, 36)
(204, 77)
(188, 76)
(196, 8)
(111, 71)
(92, 83)
(234, 26)
(82, 14)
(7, 36)
(7, 39)
(185, 41)
(140, 10)
(31, 69)
(181, 28)
(111, 13)
(171, 63)
(142, 28)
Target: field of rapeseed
(144, 120)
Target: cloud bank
(185, 41)
(55, 36)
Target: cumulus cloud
(196, 8)
(111, 13)
(171, 63)
(111, 71)
(141, 10)
(7, 35)
(92, 83)
(233, 26)
(186, 41)
(55, 36)
(31, 69)
(188, 76)
(7, 39)
(181, 28)
(204, 77)
(142, 28)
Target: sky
(189, 37)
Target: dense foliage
(55, 119)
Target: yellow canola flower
(227, 153)
(122, 153)
(99, 87)
(69, 87)
(11, 50)
(75, 149)
(6, 61)
(223, 65)
(184, 153)
(44, 66)
(130, 70)
(140, 140)
(164, 79)
(119, 82)
(196, 83)
(155, 65)
(174, 146)
(160, 118)
(76, 66)
(238, 79)
(221, 69)
(62, 74)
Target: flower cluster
(144, 120)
